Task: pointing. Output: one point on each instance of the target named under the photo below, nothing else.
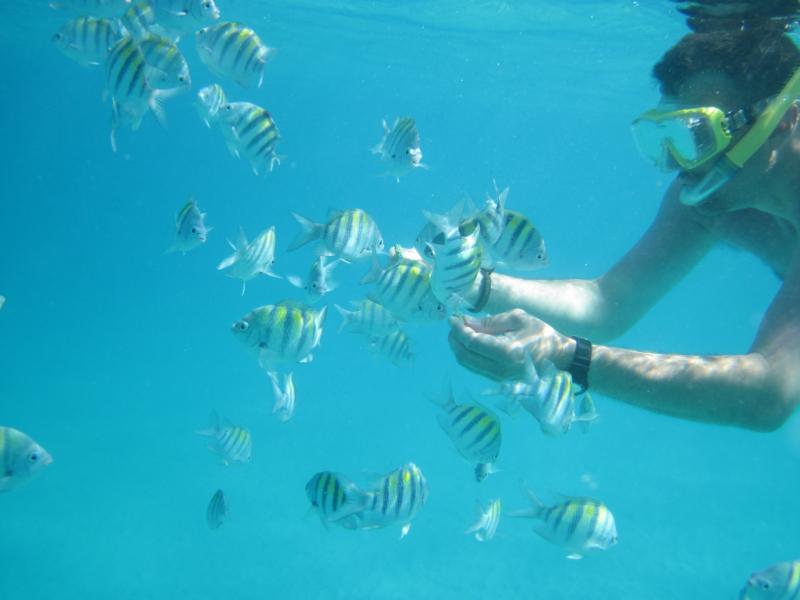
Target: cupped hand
(495, 346)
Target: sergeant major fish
(400, 147)
(395, 498)
(131, 94)
(286, 332)
(140, 20)
(184, 16)
(370, 318)
(520, 245)
(284, 397)
(210, 100)
(231, 442)
(20, 458)
(250, 132)
(335, 498)
(778, 582)
(217, 510)
(475, 432)
(488, 520)
(233, 50)
(348, 234)
(191, 230)
(395, 346)
(576, 524)
(318, 282)
(492, 218)
(404, 287)
(87, 40)
(250, 259)
(166, 66)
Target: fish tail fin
(310, 231)
(213, 428)
(445, 398)
(374, 272)
(281, 397)
(587, 413)
(348, 316)
(536, 508)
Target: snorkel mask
(688, 138)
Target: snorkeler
(727, 122)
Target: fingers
(499, 324)
(473, 361)
(484, 354)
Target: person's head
(715, 85)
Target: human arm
(604, 308)
(758, 390)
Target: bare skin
(759, 211)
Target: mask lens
(683, 140)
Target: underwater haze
(114, 354)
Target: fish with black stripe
(520, 245)
(131, 94)
(404, 287)
(140, 20)
(231, 442)
(210, 101)
(217, 510)
(166, 66)
(488, 520)
(185, 16)
(318, 282)
(576, 524)
(335, 498)
(456, 253)
(250, 259)
(778, 582)
(395, 346)
(492, 219)
(87, 40)
(475, 432)
(396, 498)
(233, 50)
(349, 234)
(369, 318)
(250, 132)
(400, 147)
(191, 230)
(281, 333)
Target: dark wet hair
(759, 60)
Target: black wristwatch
(581, 361)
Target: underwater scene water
(114, 353)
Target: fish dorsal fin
(334, 213)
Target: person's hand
(495, 347)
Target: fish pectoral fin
(543, 531)
(574, 556)
(306, 359)
(228, 262)
(404, 530)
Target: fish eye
(194, 229)
(408, 150)
(380, 243)
(394, 155)
(314, 285)
(242, 325)
(34, 457)
(181, 78)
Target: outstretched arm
(602, 309)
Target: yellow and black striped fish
(217, 510)
(349, 234)
(166, 67)
(250, 131)
(396, 498)
(232, 442)
(475, 432)
(281, 333)
(140, 20)
(520, 244)
(87, 40)
(233, 50)
(334, 497)
(778, 582)
(576, 524)
(395, 346)
(369, 317)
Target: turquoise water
(113, 354)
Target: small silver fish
(318, 282)
(520, 245)
(369, 318)
(232, 442)
(217, 510)
(210, 101)
(87, 40)
(185, 16)
(576, 524)
(492, 218)
(250, 259)
(488, 520)
(20, 458)
(400, 147)
(475, 432)
(334, 497)
(456, 255)
(191, 230)
(349, 234)
(284, 397)
(235, 51)
(778, 582)
(282, 333)
(395, 346)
